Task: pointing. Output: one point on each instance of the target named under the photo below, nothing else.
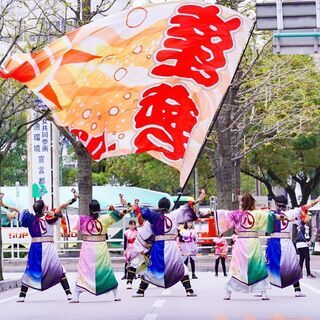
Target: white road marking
(150, 316)
(158, 303)
(311, 288)
(16, 297)
(166, 292)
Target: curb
(9, 284)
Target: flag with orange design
(148, 79)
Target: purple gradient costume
(166, 267)
(44, 269)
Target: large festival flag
(148, 79)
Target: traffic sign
(296, 25)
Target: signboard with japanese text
(148, 79)
(41, 156)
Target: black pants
(297, 287)
(131, 273)
(126, 269)
(64, 282)
(305, 256)
(223, 263)
(193, 265)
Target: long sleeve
(26, 218)
(265, 220)
(294, 215)
(149, 215)
(184, 214)
(110, 218)
(224, 220)
(144, 241)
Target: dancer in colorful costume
(44, 269)
(95, 272)
(189, 238)
(130, 237)
(248, 271)
(166, 267)
(282, 260)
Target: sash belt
(248, 234)
(94, 238)
(166, 237)
(42, 239)
(280, 235)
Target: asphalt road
(166, 304)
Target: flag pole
(180, 193)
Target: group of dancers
(250, 269)
(152, 251)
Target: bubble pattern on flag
(148, 79)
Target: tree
(287, 163)
(14, 164)
(15, 99)
(270, 95)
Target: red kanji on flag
(96, 146)
(196, 44)
(166, 119)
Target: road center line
(150, 316)
(166, 292)
(158, 303)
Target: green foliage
(14, 165)
(144, 171)
(285, 158)
(69, 176)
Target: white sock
(76, 294)
(116, 293)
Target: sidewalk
(9, 284)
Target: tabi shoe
(216, 274)
(264, 296)
(21, 299)
(129, 285)
(117, 299)
(138, 295)
(190, 293)
(299, 294)
(124, 277)
(225, 275)
(74, 301)
(258, 295)
(227, 296)
(194, 276)
(69, 297)
(311, 275)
